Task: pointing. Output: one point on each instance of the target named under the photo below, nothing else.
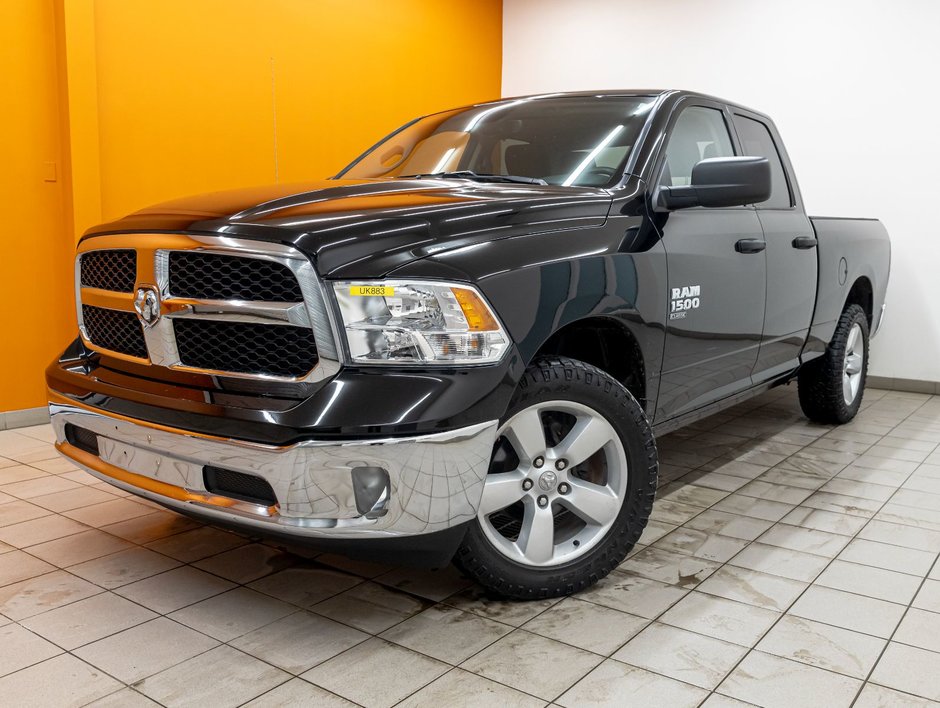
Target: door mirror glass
(721, 182)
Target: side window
(698, 134)
(756, 140)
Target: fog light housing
(371, 487)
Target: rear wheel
(570, 485)
(831, 387)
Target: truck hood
(367, 228)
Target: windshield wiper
(478, 176)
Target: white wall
(852, 86)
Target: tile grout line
(808, 586)
(881, 654)
(811, 583)
(907, 609)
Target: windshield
(569, 140)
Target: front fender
(540, 283)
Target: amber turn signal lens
(479, 317)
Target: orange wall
(36, 310)
(224, 93)
(159, 100)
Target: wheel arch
(862, 294)
(606, 343)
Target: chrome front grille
(217, 306)
(114, 269)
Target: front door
(716, 271)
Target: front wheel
(570, 486)
(831, 387)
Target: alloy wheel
(556, 484)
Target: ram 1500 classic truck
(463, 344)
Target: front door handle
(804, 242)
(750, 245)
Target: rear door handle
(804, 242)
(750, 245)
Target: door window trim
(784, 164)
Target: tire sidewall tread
(820, 380)
(554, 378)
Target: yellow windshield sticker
(371, 290)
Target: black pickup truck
(462, 345)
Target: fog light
(371, 487)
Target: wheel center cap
(547, 481)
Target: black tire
(820, 380)
(556, 378)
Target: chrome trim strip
(271, 313)
(78, 298)
(436, 481)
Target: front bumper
(433, 482)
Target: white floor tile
(586, 625)
(823, 645)
(848, 610)
(515, 661)
(376, 673)
(682, 655)
(909, 669)
(609, 685)
(720, 618)
(60, 681)
(194, 682)
(766, 680)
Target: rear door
(716, 271)
(791, 253)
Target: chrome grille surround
(153, 257)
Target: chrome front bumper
(434, 482)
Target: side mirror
(721, 182)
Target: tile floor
(786, 564)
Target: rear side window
(756, 141)
(699, 133)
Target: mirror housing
(721, 182)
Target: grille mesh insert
(238, 485)
(114, 330)
(114, 270)
(217, 277)
(246, 348)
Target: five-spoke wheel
(558, 476)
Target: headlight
(404, 322)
